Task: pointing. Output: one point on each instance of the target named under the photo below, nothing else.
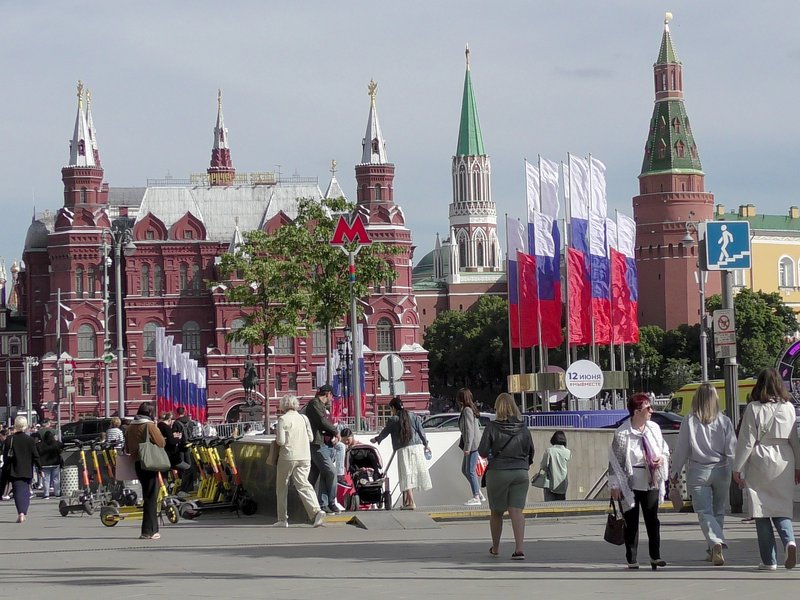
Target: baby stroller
(367, 485)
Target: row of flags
(180, 381)
(602, 284)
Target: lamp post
(122, 241)
(688, 242)
(106, 339)
(344, 348)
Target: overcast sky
(549, 78)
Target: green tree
(677, 372)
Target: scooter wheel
(88, 506)
(63, 508)
(248, 506)
(189, 510)
(109, 520)
(114, 504)
(172, 514)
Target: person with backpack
(182, 434)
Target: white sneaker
(280, 523)
(338, 506)
(473, 502)
(763, 567)
(319, 518)
(482, 497)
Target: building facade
(176, 232)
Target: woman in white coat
(294, 437)
(766, 462)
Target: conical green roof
(670, 144)
(470, 140)
(666, 54)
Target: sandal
(493, 552)
(518, 556)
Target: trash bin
(69, 480)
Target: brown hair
(769, 387)
(505, 408)
(464, 399)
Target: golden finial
(219, 99)
(88, 99)
(333, 167)
(667, 18)
(466, 53)
(80, 92)
(373, 89)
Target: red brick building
(179, 230)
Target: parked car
(84, 430)
(444, 420)
(666, 420)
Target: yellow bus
(682, 399)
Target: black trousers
(648, 501)
(149, 481)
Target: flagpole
(58, 325)
(508, 297)
(542, 360)
(613, 361)
(567, 237)
(591, 274)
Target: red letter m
(345, 232)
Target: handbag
(152, 457)
(488, 464)
(272, 455)
(540, 480)
(480, 466)
(615, 525)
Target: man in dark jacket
(322, 451)
(182, 429)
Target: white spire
(236, 239)
(334, 189)
(374, 146)
(220, 131)
(81, 152)
(90, 122)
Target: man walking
(182, 433)
(322, 465)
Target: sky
(549, 78)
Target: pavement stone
(222, 556)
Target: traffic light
(107, 347)
(67, 373)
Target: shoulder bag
(615, 525)
(151, 456)
(489, 464)
(542, 478)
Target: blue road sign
(727, 245)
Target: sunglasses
(650, 408)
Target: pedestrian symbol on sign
(727, 245)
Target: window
(377, 197)
(188, 234)
(480, 253)
(144, 280)
(676, 125)
(14, 346)
(238, 347)
(183, 280)
(279, 382)
(79, 281)
(384, 333)
(284, 345)
(90, 280)
(680, 149)
(462, 253)
(86, 341)
(662, 149)
(81, 387)
(146, 385)
(292, 381)
(786, 272)
(235, 373)
(149, 339)
(389, 286)
(190, 334)
(319, 342)
(83, 190)
(196, 280)
(95, 386)
(149, 234)
(158, 281)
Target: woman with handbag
(552, 476)
(293, 437)
(469, 426)
(767, 464)
(143, 431)
(507, 443)
(21, 456)
(706, 443)
(637, 469)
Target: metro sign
(346, 233)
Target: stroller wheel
(248, 506)
(387, 500)
(355, 502)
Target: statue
(250, 380)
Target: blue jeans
(339, 450)
(52, 476)
(468, 464)
(709, 486)
(766, 538)
(323, 468)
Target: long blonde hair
(505, 408)
(705, 403)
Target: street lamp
(122, 241)
(688, 242)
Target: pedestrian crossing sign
(727, 245)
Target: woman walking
(766, 465)
(554, 464)
(21, 456)
(707, 443)
(469, 425)
(408, 439)
(507, 443)
(50, 450)
(294, 436)
(143, 426)
(637, 469)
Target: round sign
(552, 396)
(391, 367)
(584, 379)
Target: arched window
(144, 280)
(14, 346)
(238, 347)
(190, 334)
(786, 272)
(196, 280)
(158, 281)
(79, 281)
(680, 149)
(389, 286)
(662, 149)
(377, 191)
(86, 341)
(83, 191)
(676, 125)
(384, 334)
(90, 280)
(462, 253)
(149, 339)
(183, 281)
(479, 251)
(284, 345)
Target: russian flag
(160, 398)
(183, 365)
(175, 373)
(598, 250)
(579, 285)
(629, 308)
(202, 396)
(522, 292)
(191, 378)
(544, 239)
